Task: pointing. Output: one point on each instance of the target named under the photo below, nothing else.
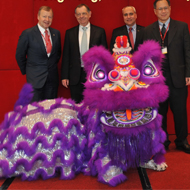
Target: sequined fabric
(41, 142)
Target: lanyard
(163, 37)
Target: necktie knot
(130, 29)
(84, 28)
(46, 32)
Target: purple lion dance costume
(117, 126)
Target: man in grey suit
(72, 72)
(38, 52)
(129, 17)
(173, 37)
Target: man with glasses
(130, 29)
(77, 41)
(173, 37)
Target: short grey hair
(130, 7)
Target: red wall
(17, 15)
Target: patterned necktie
(163, 30)
(48, 42)
(131, 37)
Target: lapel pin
(53, 34)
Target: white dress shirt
(42, 30)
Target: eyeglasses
(163, 8)
(79, 14)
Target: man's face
(162, 11)
(129, 16)
(82, 15)
(45, 18)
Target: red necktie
(48, 42)
(131, 37)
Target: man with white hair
(130, 29)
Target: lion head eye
(150, 69)
(98, 74)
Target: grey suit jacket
(32, 58)
(178, 49)
(71, 62)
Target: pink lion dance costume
(117, 126)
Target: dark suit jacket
(178, 49)
(71, 62)
(123, 31)
(32, 58)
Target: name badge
(164, 50)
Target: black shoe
(185, 147)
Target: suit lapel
(76, 38)
(137, 36)
(92, 34)
(125, 31)
(156, 31)
(38, 36)
(53, 38)
(172, 31)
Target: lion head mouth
(128, 118)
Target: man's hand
(65, 83)
(187, 81)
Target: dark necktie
(131, 37)
(163, 30)
(48, 42)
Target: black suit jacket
(71, 62)
(178, 49)
(32, 58)
(123, 31)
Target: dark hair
(81, 5)
(160, 0)
(45, 8)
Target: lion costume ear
(98, 61)
(148, 60)
(121, 41)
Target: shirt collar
(133, 27)
(88, 26)
(42, 30)
(166, 23)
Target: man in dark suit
(72, 72)
(174, 39)
(38, 52)
(133, 31)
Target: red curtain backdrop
(17, 15)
